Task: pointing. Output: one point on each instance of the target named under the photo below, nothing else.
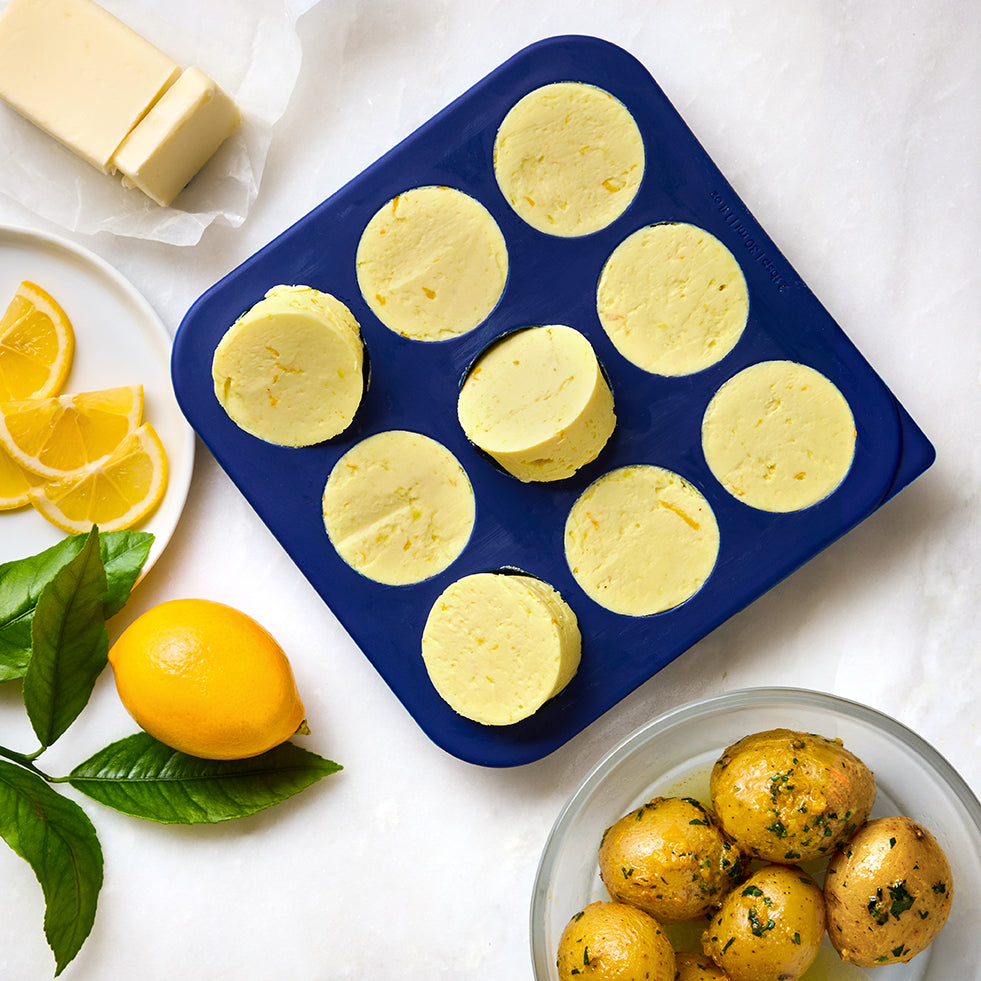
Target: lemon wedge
(37, 345)
(15, 482)
(56, 437)
(114, 493)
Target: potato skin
(770, 928)
(689, 965)
(788, 796)
(670, 859)
(888, 893)
(614, 942)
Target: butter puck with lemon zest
(432, 263)
(398, 507)
(538, 403)
(641, 540)
(290, 370)
(779, 436)
(569, 158)
(673, 299)
(498, 646)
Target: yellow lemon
(114, 493)
(207, 680)
(37, 345)
(54, 437)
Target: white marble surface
(853, 131)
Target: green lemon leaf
(124, 554)
(56, 838)
(69, 642)
(141, 776)
(21, 581)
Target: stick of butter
(177, 136)
(109, 95)
(79, 73)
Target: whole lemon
(207, 680)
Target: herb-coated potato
(689, 965)
(788, 796)
(769, 928)
(614, 942)
(670, 859)
(888, 892)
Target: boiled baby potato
(770, 928)
(614, 942)
(788, 796)
(670, 859)
(689, 965)
(888, 892)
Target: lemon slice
(113, 493)
(58, 436)
(37, 345)
(15, 482)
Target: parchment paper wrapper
(250, 47)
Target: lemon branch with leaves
(54, 639)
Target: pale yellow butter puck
(498, 646)
(641, 540)
(672, 299)
(432, 263)
(779, 436)
(569, 158)
(289, 370)
(398, 507)
(538, 403)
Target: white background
(851, 130)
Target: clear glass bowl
(673, 755)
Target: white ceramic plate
(119, 340)
(673, 756)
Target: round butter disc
(289, 370)
(538, 403)
(569, 158)
(641, 540)
(672, 299)
(497, 646)
(432, 263)
(398, 507)
(779, 436)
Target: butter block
(497, 647)
(779, 436)
(289, 370)
(673, 299)
(177, 136)
(79, 73)
(641, 540)
(398, 507)
(538, 403)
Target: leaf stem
(24, 760)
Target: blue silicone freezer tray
(414, 385)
